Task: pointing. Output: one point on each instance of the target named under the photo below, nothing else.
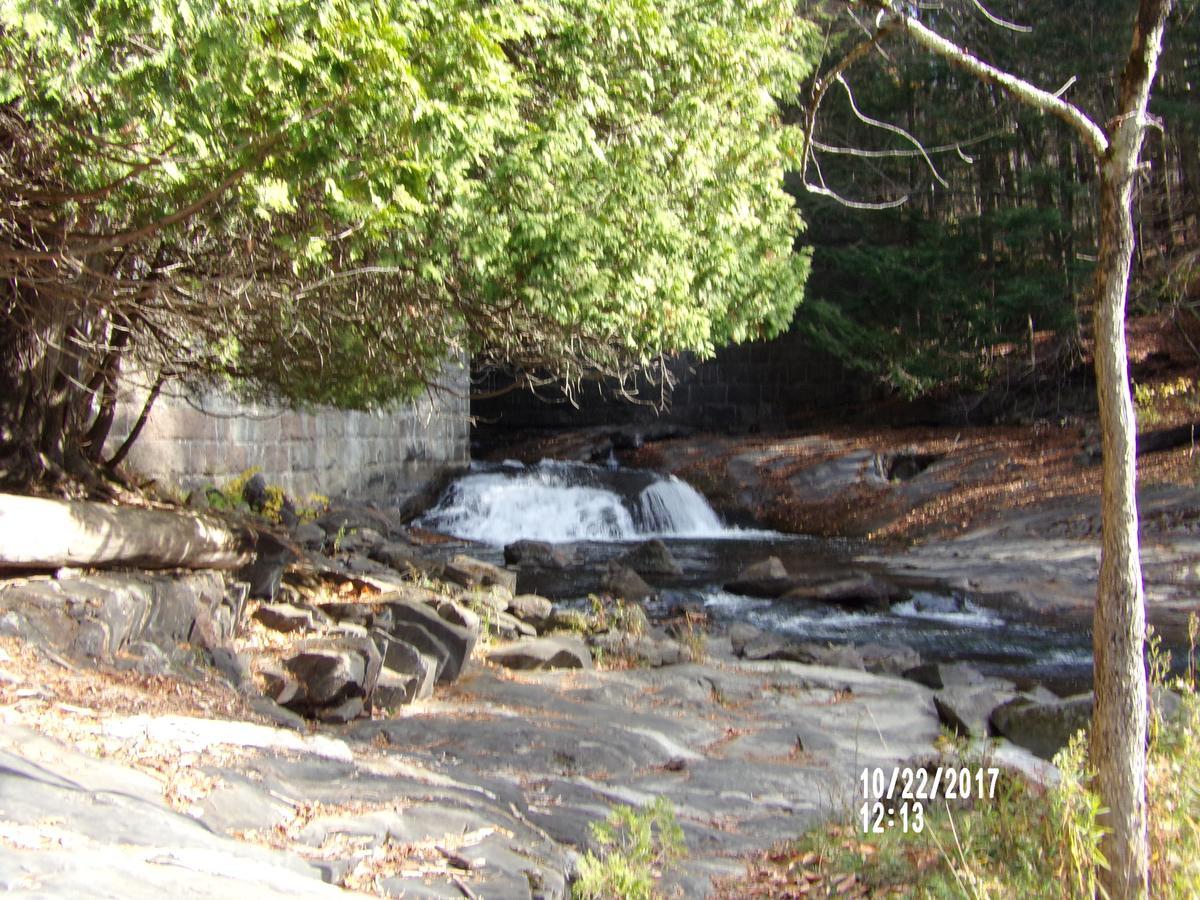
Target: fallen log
(43, 533)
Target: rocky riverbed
(367, 708)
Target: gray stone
(856, 591)
(1043, 728)
(407, 661)
(393, 689)
(945, 675)
(508, 627)
(888, 659)
(284, 617)
(345, 711)
(651, 557)
(532, 609)
(621, 581)
(144, 658)
(272, 711)
(968, 708)
(539, 555)
(458, 615)
(93, 639)
(403, 558)
(309, 535)
(361, 540)
(559, 652)
(422, 626)
(467, 572)
(766, 578)
(327, 675)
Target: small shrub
(635, 846)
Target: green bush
(635, 846)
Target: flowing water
(602, 512)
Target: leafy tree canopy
(323, 198)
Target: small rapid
(566, 502)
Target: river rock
(309, 535)
(467, 572)
(651, 557)
(263, 576)
(968, 708)
(621, 581)
(284, 617)
(407, 661)
(404, 558)
(393, 689)
(539, 555)
(888, 659)
(424, 628)
(856, 592)
(278, 684)
(532, 609)
(508, 627)
(326, 675)
(641, 649)
(741, 634)
(361, 540)
(945, 675)
(1043, 728)
(766, 578)
(558, 652)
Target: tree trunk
(1118, 738)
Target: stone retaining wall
(192, 440)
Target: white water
(561, 502)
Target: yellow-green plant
(635, 846)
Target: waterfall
(558, 502)
(675, 507)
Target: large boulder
(284, 617)
(621, 581)
(406, 661)
(651, 558)
(539, 555)
(1043, 727)
(430, 632)
(766, 578)
(968, 708)
(559, 652)
(945, 675)
(856, 591)
(468, 572)
(404, 558)
(335, 677)
(532, 609)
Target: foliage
(999, 230)
(635, 846)
(617, 614)
(1028, 841)
(319, 201)
(1153, 400)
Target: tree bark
(1118, 737)
(37, 532)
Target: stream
(603, 511)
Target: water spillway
(559, 502)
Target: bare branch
(895, 129)
(1093, 136)
(1003, 23)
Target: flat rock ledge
(485, 791)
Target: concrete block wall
(191, 440)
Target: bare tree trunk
(1118, 738)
